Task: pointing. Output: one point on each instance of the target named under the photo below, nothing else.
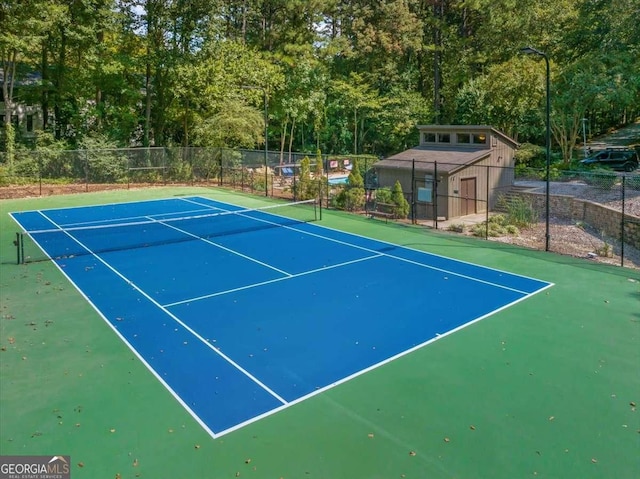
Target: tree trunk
(293, 127)
(283, 139)
(59, 84)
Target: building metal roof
(447, 159)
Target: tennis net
(62, 243)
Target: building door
(468, 196)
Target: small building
(26, 115)
(456, 170)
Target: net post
(17, 243)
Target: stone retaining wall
(599, 217)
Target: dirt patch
(568, 238)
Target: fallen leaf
(594, 460)
(81, 464)
(197, 446)
(412, 453)
(446, 439)
(370, 435)
(472, 427)
(551, 418)
(632, 404)
(135, 463)
(247, 461)
(112, 430)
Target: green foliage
(343, 77)
(531, 156)
(352, 197)
(498, 225)
(9, 144)
(105, 164)
(305, 188)
(400, 204)
(457, 227)
(383, 195)
(520, 212)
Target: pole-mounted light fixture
(533, 51)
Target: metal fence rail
(602, 207)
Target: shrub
(529, 155)
(457, 227)
(383, 195)
(400, 204)
(520, 213)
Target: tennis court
(114, 341)
(241, 313)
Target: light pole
(533, 51)
(266, 134)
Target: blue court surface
(241, 315)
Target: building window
(429, 137)
(479, 138)
(29, 123)
(463, 138)
(444, 138)
(425, 194)
(16, 121)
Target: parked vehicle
(618, 158)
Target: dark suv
(617, 158)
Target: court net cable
(61, 243)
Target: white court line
(286, 404)
(114, 203)
(255, 285)
(172, 316)
(266, 265)
(125, 219)
(427, 253)
(375, 366)
(399, 258)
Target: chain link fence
(591, 214)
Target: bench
(382, 210)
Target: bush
(520, 213)
(352, 198)
(400, 204)
(531, 156)
(498, 225)
(457, 227)
(383, 195)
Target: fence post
(435, 193)
(39, 174)
(86, 170)
(486, 219)
(413, 191)
(622, 223)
